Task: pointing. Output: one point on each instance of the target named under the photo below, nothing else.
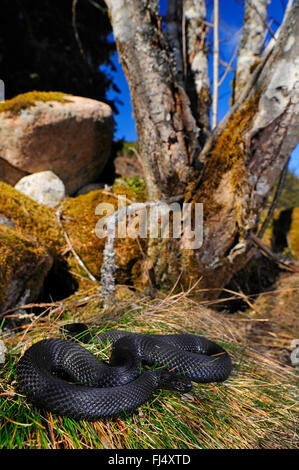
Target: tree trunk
(253, 38)
(186, 32)
(242, 159)
(196, 59)
(166, 128)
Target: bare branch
(286, 13)
(215, 64)
(67, 238)
(275, 200)
(228, 67)
(261, 16)
(74, 5)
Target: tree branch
(275, 200)
(215, 65)
(252, 42)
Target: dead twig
(57, 305)
(67, 238)
(272, 255)
(275, 199)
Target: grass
(255, 408)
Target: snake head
(171, 381)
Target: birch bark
(167, 131)
(198, 82)
(253, 37)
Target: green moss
(230, 147)
(133, 188)
(39, 224)
(228, 154)
(37, 221)
(29, 99)
(129, 149)
(16, 252)
(80, 219)
(36, 233)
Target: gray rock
(90, 187)
(43, 187)
(3, 350)
(5, 221)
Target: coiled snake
(48, 369)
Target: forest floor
(256, 408)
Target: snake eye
(170, 381)
(182, 385)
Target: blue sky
(231, 18)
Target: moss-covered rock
(29, 99)
(24, 264)
(38, 237)
(80, 219)
(28, 245)
(31, 219)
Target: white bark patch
(199, 66)
(289, 43)
(253, 36)
(262, 187)
(121, 20)
(279, 93)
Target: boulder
(43, 187)
(68, 135)
(90, 187)
(30, 242)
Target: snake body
(62, 376)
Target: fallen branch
(272, 255)
(109, 267)
(275, 200)
(80, 262)
(57, 305)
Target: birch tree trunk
(253, 38)
(215, 64)
(242, 159)
(197, 68)
(166, 128)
